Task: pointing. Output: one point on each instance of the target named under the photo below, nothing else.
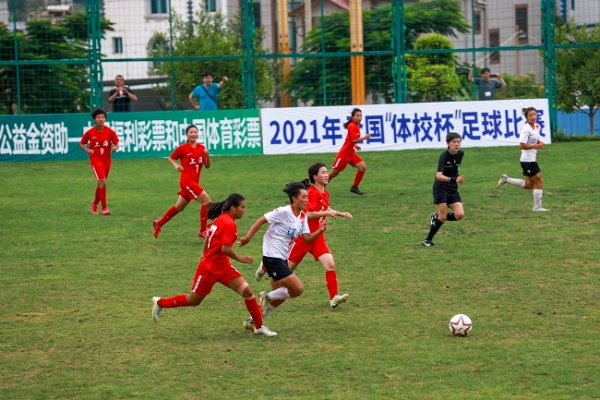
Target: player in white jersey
(285, 224)
(530, 142)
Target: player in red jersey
(192, 156)
(215, 265)
(347, 154)
(99, 142)
(317, 209)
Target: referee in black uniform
(445, 188)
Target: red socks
(358, 177)
(101, 193)
(203, 213)
(173, 302)
(171, 212)
(255, 313)
(332, 284)
(96, 196)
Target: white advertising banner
(399, 126)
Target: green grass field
(75, 305)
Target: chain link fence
(66, 56)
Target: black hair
(98, 111)
(207, 73)
(293, 189)
(354, 111)
(525, 110)
(485, 69)
(190, 127)
(312, 171)
(451, 136)
(213, 210)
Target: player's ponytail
(293, 189)
(213, 210)
(354, 111)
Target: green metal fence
(57, 58)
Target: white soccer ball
(460, 325)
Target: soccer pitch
(75, 309)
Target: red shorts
(205, 278)
(340, 164)
(100, 171)
(190, 190)
(299, 248)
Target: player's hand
(346, 215)
(243, 241)
(357, 147)
(179, 168)
(197, 106)
(206, 154)
(323, 224)
(460, 179)
(225, 79)
(90, 152)
(246, 259)
(540, 144)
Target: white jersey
(284, 227)
(529, 135)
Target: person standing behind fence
(193, 156)
(121, 96)
(99, 142)
(347, 154)
(206, 96)
(529, 142)
(486, 87)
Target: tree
(520, 87)
(577, 78)
(54, 85)
(211, 35)
(432, 77)
(310, 84)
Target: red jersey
(101, 142)
(192, 160)
(348, 150)
(317, 201)
(222, 231)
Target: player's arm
(253, 229)
(527, 146)
(84, 148)
(470, 77)
(129, 94)
(111, 99)
(194, 101)
(206, 158)
(177, 167)
(228, 251)
(309, 237)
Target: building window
(210, 5)
(477, 22)
(521, 24)
(494, 42)
(158, 7)
(117, 45)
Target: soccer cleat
(156, 309)
(157, 228)
(337, 300)
(264, 302)
(428, 243)
(105, 211)
(433, 217)
(263, 330)
(538, 209)
(502, 181)
(94, 208)
(355, 189)
(260, 272)
(249, 324)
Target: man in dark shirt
(121, 96)
(486, 87)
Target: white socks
(537, 198)
(279, 294)
(516, 182)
